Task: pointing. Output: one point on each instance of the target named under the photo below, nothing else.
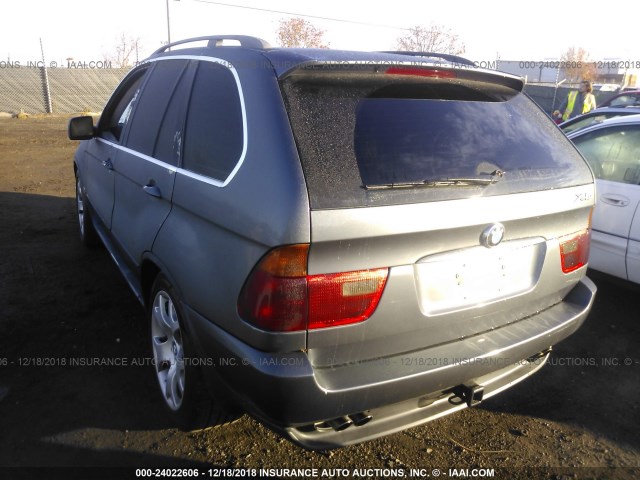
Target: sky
(87, 30)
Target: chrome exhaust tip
(360, 419)
(339, 424)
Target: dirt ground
(63, 308)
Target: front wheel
(181, 387)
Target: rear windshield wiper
(487, 179)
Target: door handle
(107, 164)
(616, 201)
(152, 190)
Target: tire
(88, 235)
(181, 387)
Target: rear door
(145, 168)
(614, 156)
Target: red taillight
(421, 72)
(574, 250)
(280, 296)
(275, 295)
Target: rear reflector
(280, 296)
(574, 250)
(421, 72)
(344, 298)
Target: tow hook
(469, 394)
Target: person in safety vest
(578, 102)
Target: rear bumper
(286, 391)
(413, 412)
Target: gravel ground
(61, 306)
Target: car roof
(609, 122)
(279, 57)
(603, 110)
(612, 109)
(623, 93)
(285, 60)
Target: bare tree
(127, 51)
(436, 38)
(297, 32)
(577, 65)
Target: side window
(613, 154)
(153, 105)
(169, 142)
(118, 111)
(214, 134)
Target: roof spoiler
(459, 72)
(443, 56)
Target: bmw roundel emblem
(492, 235)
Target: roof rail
(217, 40)
(443, 56)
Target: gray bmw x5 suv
(343, 244)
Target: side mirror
(81, 128)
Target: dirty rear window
(367, 142)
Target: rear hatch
(450, 178)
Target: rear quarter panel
(215, 235)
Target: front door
(145, 168)
(99, 182)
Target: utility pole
(168, 25)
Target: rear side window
(153, 104)
(613, 153)
(376, 141)
(214, 134)
(169, 142)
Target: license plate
(476, 276)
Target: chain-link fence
(38, 89)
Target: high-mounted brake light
(280, 296)
(574, 250)
(421, 72)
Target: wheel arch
(150, 268)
